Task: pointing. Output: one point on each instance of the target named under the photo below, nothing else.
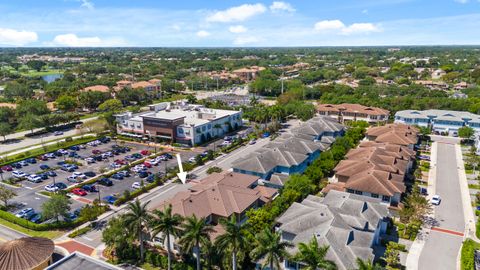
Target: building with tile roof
(399, 134)
(349, 224)
(353, 112)
(27, 253)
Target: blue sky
(224, 23)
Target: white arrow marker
(182, 175)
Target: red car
(79, 192)
(7, 168)
(42, 157)
(121, 161)
(147, 164)
(145, 152)
(96, 151)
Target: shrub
(468, 254)
(214, 169)
(79, 232)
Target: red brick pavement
(72, 246)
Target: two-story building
(179, 122)
(353, 112)
(351, 225)
(440, 121)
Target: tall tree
(30, 122)
(137, 220)
(6, 194)
(233, 240)
(5, 129)
(195, 235)
(313, 256)
(167, 224)
(58, 205)
(270, 247)
(66, 103)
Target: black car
(16, 165)
(44, 176)
(104, 139)
(98, 158)
(90, 188)
(117, 176)
(143, 174)
(151, 178)
(61, 185)
(89, 174)
(52, 173)
(168, 155)
(105, 182)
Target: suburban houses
(440, 121)
(179, 122)
(351, 225)
(353, 112)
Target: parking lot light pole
(99, 201)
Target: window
(350, 190)
(198, 130)
(180, 131)
(209, 126)
(204, 128)
(358, 192)
(385, 198)
(374, 195)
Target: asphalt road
(441, 248)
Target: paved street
(445, 239)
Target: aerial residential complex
(351, 225)
(179, 122)
(292, 152)
(440, 121)
(353, 112)
(377, 168)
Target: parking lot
(28, 195)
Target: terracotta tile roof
(218, 194)
(142, 84)
(353, 108)
(25, 253)
(9, 105)
(400, 134)
(98, 88)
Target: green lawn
(46, 234)
(34, 73)
(468, 251)
(474, 186)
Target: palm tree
(233, 239)
(313, 256)
(137, 220)
(271, 247)
(196, 234)
(367, 265)
(168, 225)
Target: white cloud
(16, 38)
(237, 14)
(339, 27)
(72, 40)
(87, 4)
(365, 11)
(329, 25)
(203, 33)
(237, 29)
(245, 40)
(462, 1)
(281, 6)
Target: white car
(19, 174)
(90, 160)
(436, 200)
(136, 185)
(24, 212)
(51, 188)
(154, 161)
(192, 160)
(79, 175)
(34, 178)
(138, 168)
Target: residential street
(444, 241)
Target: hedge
(79, 232)
(468, 254)
(38, 227)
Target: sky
(232, 23)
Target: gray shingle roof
(343, 221)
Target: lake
(52, 77)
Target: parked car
(42, 157)
(51, 173)
(44, 167)
(23, 212)
(147, 164)
(29, 215)
(168, 155)
(50, 155)
(143, 174)
(51, 188)
(89, 174)
(44, 176)
(90, 188)
(136, 185)
(436, 200)
(75, 148)
(7, 168)
(61, 185)
(19, 174)
(58, 133)
(145, 152)
(105, 182)
(74, 179)
(117, 176)
(90, 160)
(96, 151)
(252, 141)
(192, 160)
(36, 218)
(110, 199)
(16, 165)
(150, 178)
(31, 160)
(121, 161)
(23, 163)
(124, 173)
(79, 192)
(79, 175)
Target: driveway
(445, 239)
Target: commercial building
(179, 122)
(440, 121)
(351, 225)
(290, 153)
(248, 74)
(353, 112)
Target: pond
(52, 77)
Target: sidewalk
(416, 249)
